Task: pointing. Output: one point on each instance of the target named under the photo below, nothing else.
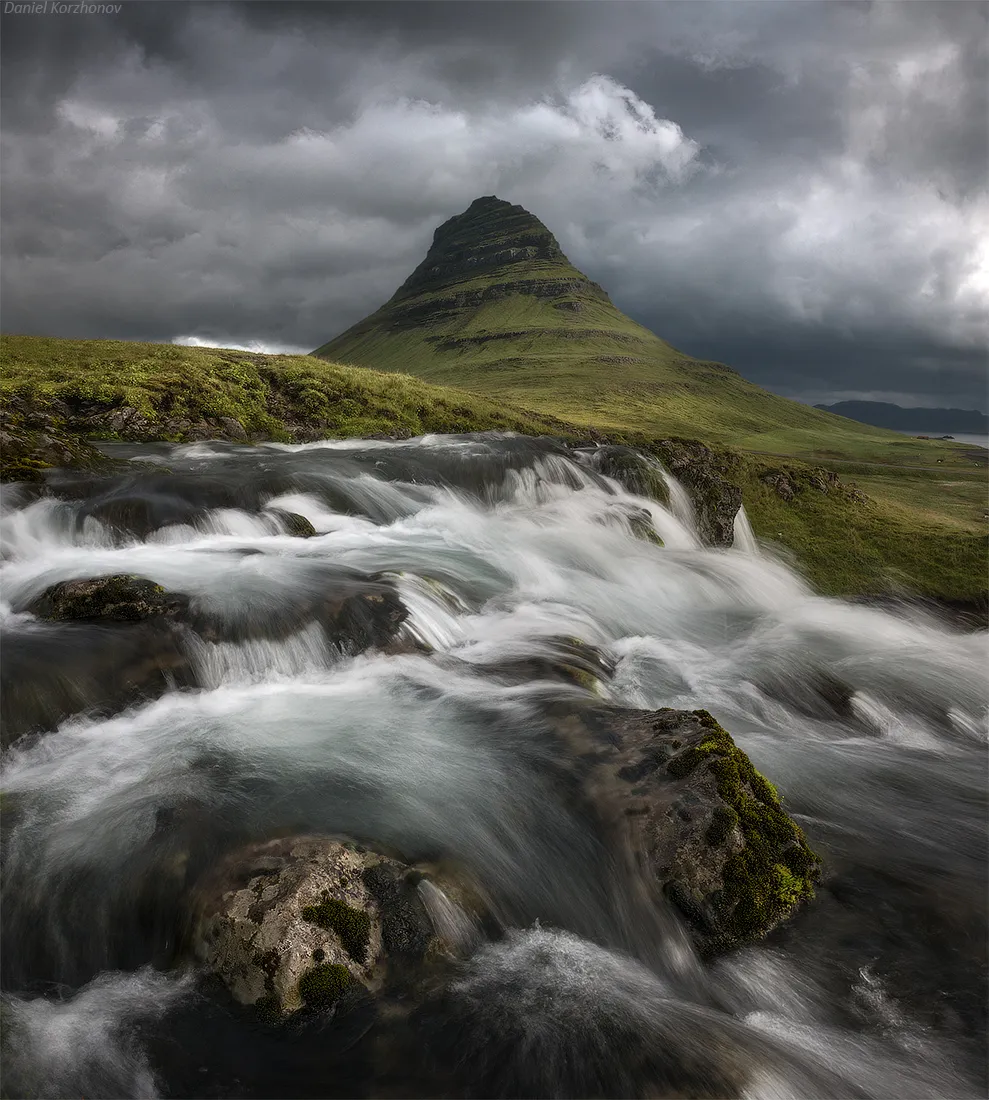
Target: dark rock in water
(701, 472)
(635, 471)
(703, 825)
(306, 921)
(294, 524)
(50, 673)
(118, 598)
(813, 692)
(716, 500)
(363, 620)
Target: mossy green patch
(353, 926)
(775, 869)
(325, 984)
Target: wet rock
(357, 611)
(306, 921)
(545, 1013)
(567, 660)
(363, 620)
(702, 825)
(51, 673)
(297, 526)
(704, 475)
(122, 597)
(636, 472)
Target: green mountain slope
(497, 308)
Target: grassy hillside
(56, 394)
(179, 393)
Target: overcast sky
(796, 189)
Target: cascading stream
(872, 723)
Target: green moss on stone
(324, 985)
(723, 821)
(353, 926)
(775, 869)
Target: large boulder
(699, 822)
(102, 644)
(302, 922)
(704, 474)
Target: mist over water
(871, 722)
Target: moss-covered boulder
(301, 922)
(120, 598)
(708, 831)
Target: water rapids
(499, 546)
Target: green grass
(880, 545)
(918, 532)
(271, 396)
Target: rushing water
(498, 546)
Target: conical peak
(489, 234)
(489, 218)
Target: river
(497, 545)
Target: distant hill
(497, 308)
(885, 415)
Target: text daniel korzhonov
(59, 7)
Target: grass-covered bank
(57, 394)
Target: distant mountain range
(882, 414)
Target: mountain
(497, 308)
(885, 415)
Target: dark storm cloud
(796, 189)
